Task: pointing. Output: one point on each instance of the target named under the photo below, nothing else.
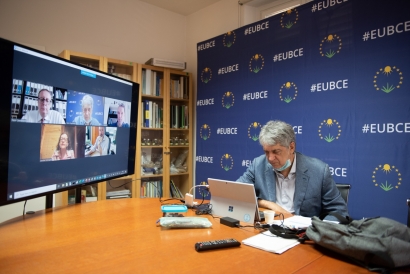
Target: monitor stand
(49, 201)
(49, 198)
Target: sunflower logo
(228, 100)
(289, 18)
(330, 45)
(203, 191)
(386, 75)
(387, 174)
(287, 88)
(331, 127)
(206, 75)
(229, 39)
(205, 132)
(254, 130)
(227, 162)
(257, 63)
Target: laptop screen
(234, 199)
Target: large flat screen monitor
(62, 125)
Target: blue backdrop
(336, 71)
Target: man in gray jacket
(287, 181)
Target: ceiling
(187, 7)
(183, 7)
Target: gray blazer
(315, 190)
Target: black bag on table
(376, 243)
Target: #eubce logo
(228, 100)
(330, 45)
(205, 132)
(206, 75)
(388, 78)
(227, 162)
(254, 130)
(387, 177)
(256, 63)
(329, 130)
(289, 18)
(287, 88)
(229, 39)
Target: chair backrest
(408, 214)
(344, 191)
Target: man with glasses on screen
(44, 114)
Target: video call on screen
(67, 123)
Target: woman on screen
(63, 149)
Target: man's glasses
(45, 100)
(63, 139)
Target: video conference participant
(100, 146)
(287, 181)
(63, 149)
(120, 117)
(44, 114)
(87, 104)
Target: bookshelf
(164, 145)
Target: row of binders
(179, 116)
(151, 189)
(152, 84)
(152, 114)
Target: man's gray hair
(277, 132)
(44, 89)
(87, 100)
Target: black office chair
(344, 191)
(408, 213)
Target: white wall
(123, 29)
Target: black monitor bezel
(6, 80)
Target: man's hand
(274, 206)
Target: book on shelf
(179, 116)
(147, 90)
(118, 196)
(146, 113)
(120, 192)
(90, 199)
(150, 114)
(151, 189)
(175, 192)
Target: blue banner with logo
(336, 71)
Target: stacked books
(119, 193)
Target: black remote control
(200, 246)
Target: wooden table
(121, 236)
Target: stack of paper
(298, 222)
(269, 242)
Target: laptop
(234, 199)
